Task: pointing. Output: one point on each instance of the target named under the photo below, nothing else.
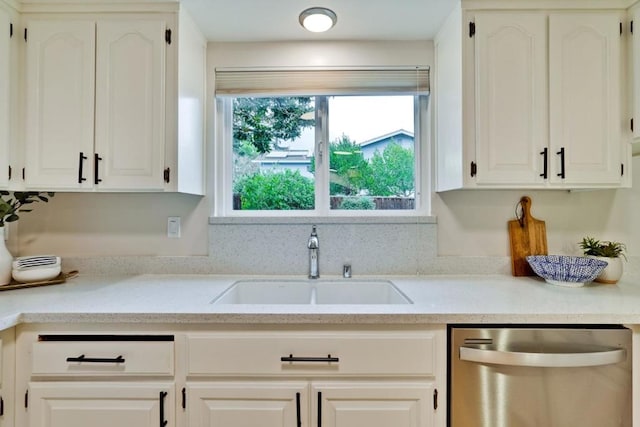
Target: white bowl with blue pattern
(566, 270)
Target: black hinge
(23, 174)
(631, 125)
(10, 29)
(167, 175)
(435, 399)
(472, 29)
(167, 35)
(474, 169)
(26, 399)
(621, 169)
(184, 398)
(25, 34)
(1, 407)
(621, 28)
(9, 172)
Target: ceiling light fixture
(318, 19)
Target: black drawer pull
(163, 421)
(81, 160)
(292, 358)
(82, 358)
(96, 164)
(561, 154)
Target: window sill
(254, 220)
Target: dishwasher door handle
(543, 360)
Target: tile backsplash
(402, 248)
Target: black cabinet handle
(545, 162)
(292, 358)
(81, 160)
(163, 422)
(319, 409)
(298, 415)
(96, 175)
(561, 154)
(82, 358)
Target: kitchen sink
(319, 292)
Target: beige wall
(80, 224)
(475, 222)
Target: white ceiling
(277, 20)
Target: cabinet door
(510, 99)
(5, 96)
(372, 404)
(635, 72)
(584, 92)
(56, 404)
(247, 404)
(60, 71)
(130, 101)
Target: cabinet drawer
(102, 355)
(317, 353)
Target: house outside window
(359, 153)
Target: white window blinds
(332, 81)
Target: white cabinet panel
(584, 94)
(5, 96)
(130, 76)
(100, 404)
(635, 73)
(60, 71)
(511, 82)
(245, 404)
(373, 404)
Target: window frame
(223, 172)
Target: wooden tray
(61, 278)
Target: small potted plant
(611, 252)
(10, 207)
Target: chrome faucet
(314, 247)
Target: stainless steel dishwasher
(543, 376)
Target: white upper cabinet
(7, 104)
(60, 77)
(539, 100)
(5, 70)
(130, 100)
(113, 101)
(511, 97)
(585, 98)
(635, 73)
(95, 105)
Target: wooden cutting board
(527, 236)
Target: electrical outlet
(173, 227)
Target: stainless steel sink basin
(348, 291)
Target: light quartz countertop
(151, 298)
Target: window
(323, 153)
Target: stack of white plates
(36, 268)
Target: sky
(363, 118)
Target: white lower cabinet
(230, 376)
(242, 403)
(329, 404)
(315, 378)
(95, 404)
(374, 404)
(85, 377)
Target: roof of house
(387, 136)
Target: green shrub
(286, 190)
(357, 203)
